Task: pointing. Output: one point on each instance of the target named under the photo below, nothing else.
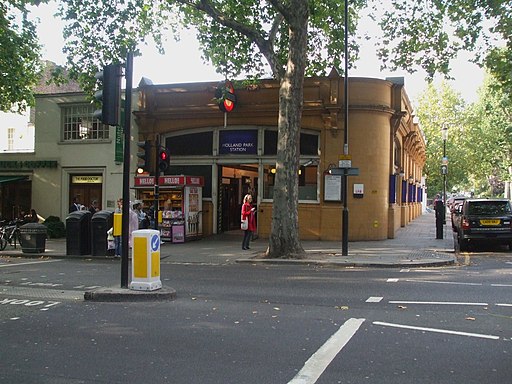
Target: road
(249, 324)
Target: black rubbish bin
(78, 233)
(101, 222)
(33, 238)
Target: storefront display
(179, 200)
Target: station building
(235, 153)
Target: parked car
(455, 202)
(483, 220)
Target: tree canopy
(20, 56)
(479, 144)
(429, 35)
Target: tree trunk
(284, 236)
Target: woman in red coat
(248, 213)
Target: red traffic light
(163, 159)
(225, 94)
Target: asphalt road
(259, 324)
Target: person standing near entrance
(248, 214)
(75, 206)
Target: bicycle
(10, 233)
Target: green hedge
(55, 227)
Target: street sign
(343, 171)
(345, 161)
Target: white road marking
(321, 359)
(503, 305)
(374, 299)
(438, 303)
(443, 282)
(392, 281)
(501, 285)
(404, 270)
(435, 330)
(28, 263)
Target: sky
(182, 61)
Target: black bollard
(440, 218)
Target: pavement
(413, 246)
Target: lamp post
(444, 165)
(344, 217)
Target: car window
(489, 208)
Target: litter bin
(33, 238)
(78, 233)
(101, 222)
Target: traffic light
(109, 94)
(225, 95)
(163, 159)
(144, 165)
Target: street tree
(286, 38)
(429, 34)
(441, 107)
(489, 139)
(20, 55)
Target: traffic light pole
(157, 182)
(126, 171)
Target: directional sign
(343, 171)
(155, 243)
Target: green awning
(11, 179)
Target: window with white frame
(10, 138)
(79, 124)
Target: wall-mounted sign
(86, 179)
(238, 142)
(332, 188)
(358, 191)
(31, 164)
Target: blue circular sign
(155, 243)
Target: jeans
(247, 239)
(117, 242)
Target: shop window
(308, 143)
(191, 144)
(308, 182)
(79, 124)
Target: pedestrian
(141, 215)
(117, 239)
(248, 215)
(94, 207)
(75, 206)
(32, 217)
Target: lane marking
(405, 270)
(374, 299)
(28, 263)
(436, 330)
(503, 305)
(392, 281)
(501, 285)
(443, 282)
(321, 359)
(438, 303)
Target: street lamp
(444, 164)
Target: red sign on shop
(181, 180)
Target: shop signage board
(180, 180)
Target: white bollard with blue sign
(146, 260)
